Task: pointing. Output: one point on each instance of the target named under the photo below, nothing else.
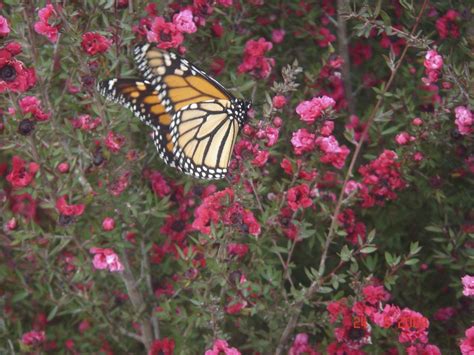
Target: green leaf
(368, 250)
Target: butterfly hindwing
(142, 99)
(203, 138)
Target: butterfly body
(195, 120)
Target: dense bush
(344, 226)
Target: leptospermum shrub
(344, 227)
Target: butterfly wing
(143, 100)
(178, 82)
(203, 138)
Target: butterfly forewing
(178, 82)
(142, 99)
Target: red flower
(163, 346)
(108, 224)
(23, 205)
(354, 229)
(43, 27)
(33, 338)
(360, 53)
(21, 176)
(93, 43)
(118, 186)
(69, 210)
(13, 74)
(446, 25)
(240, 250)
(261, 158)
(158, 183)
(254, 60)
(381, 178)
(298, 196)
(375, 294)
(165, 34)
(31, 104)
(413, 327)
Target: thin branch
(344, 53)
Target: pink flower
(467, 345)
(464, 120)
(468, 283)
(63, 168)
(433, 61)
(94, 43)
(106, 259)
(278, 35)
(433, 64)
(43, 27)
(404, 138)
(417, 121)
(69, 210)
(4, 28)
(309, 111)
(108, 224)
(33, 338)
(279, 101)
(114, 141)
(184, 21)
(302, 141)
(301, 346)
(221, 346)
(165, 34)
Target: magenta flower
(464, 120)
(33, 338)
(221, 346)
(108, 224)
(4, 27)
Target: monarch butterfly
(195, 120)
